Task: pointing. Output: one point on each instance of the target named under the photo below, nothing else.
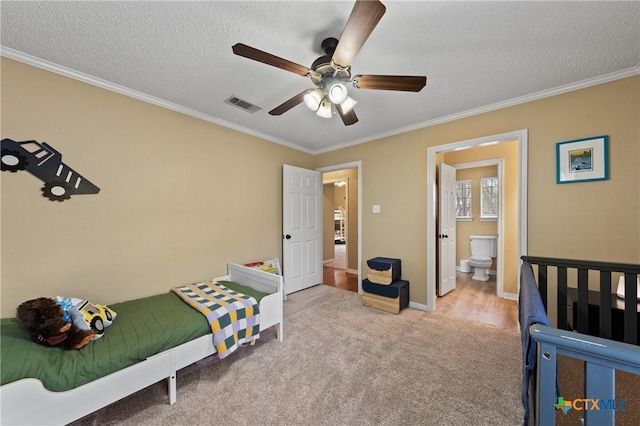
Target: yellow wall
(340, 196)
(328, 236)
(179, 197)
(589, 220)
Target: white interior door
(446, 229)
(301, 227)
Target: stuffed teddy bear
(67, 322)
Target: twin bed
(151, 339)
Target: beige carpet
(343, 364)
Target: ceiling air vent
(243, 105)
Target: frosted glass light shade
(348, 104)
(313, 99)
(337, 93)
(325, 109)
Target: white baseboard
(489, 272)
(418, 306)
(511, 296)
(324, 262)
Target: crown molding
(16, 55)
(606, 78)
(86, 78)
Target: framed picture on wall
(582, 160)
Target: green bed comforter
(144, 327)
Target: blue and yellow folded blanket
(234, 317)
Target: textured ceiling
(477, 56)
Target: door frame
(522, 137)
(352, 165)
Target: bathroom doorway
(475, 221)
(513, 244)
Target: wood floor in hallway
(335, 272)
(477, 301)
(340, 278)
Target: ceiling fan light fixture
(348, 104)
(337, 93)
(313, 99)
(324, 110)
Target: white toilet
(483, 249)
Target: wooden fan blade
(406, 83)
(363, 19)
(269, 59)
(349, 117)
(287, 105)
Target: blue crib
(542, 344)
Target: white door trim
(522, 137)
(352, 165)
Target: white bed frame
(27, 402)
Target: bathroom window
(489, 192)
(463, 199)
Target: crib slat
(630, 308)
(542, 284)
(562, 298)
(583, 301)
(599, 384)
(605, 305)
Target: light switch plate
(376, 208)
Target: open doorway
(341, 225)
(483, 215)
(510, 259)
(335, 219)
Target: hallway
(335, 272)
(339, 257)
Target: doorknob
(288, 237)
(443, 236)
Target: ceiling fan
(330, 72)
